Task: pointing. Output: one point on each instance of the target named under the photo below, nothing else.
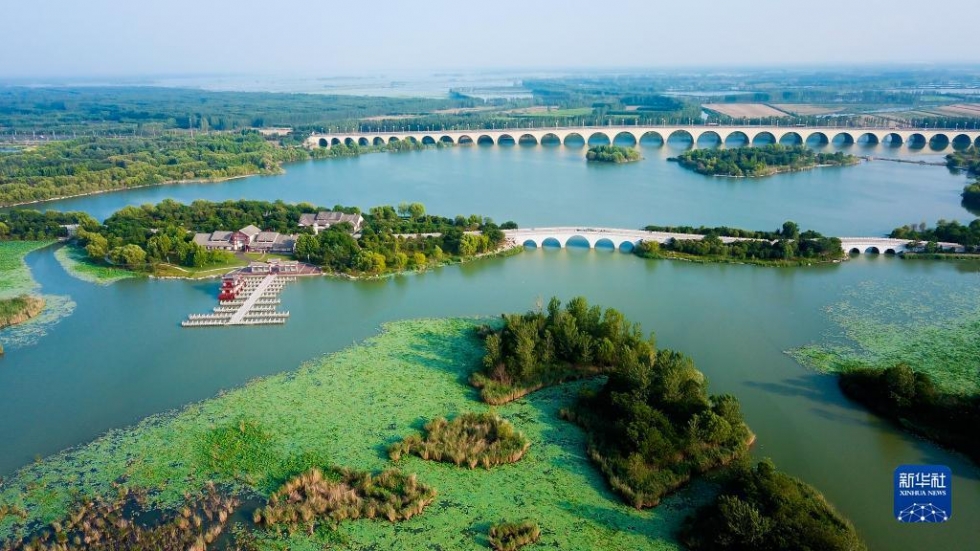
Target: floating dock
(245, 300)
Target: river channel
(121, 354)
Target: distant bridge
(936, 138)
(626, 239)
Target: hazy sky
(325, 37)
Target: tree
(790, 230)
(416, 210)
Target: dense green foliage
(19, 309)
(653, 426)
(967, 160)
(470, 439)
(786, 245)
(395, 240)
(971, 195)
(949, 232)
(762, 509)
(87, 165)
(612, 154)
(33, 225)
(758, 161)
(537, 348)
(511, 536)
(789, 230)
(911, 399)
(331, 496)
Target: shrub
(471, 439)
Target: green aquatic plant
(471, 439)
(15, 278)
(79, 265)
(933, 329)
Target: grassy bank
(15, 278)
(346, 409)
(78, 264)
(19, 309)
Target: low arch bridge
(935, 138)
(626, 239)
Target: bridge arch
(530, 244)
(872, 250)
(939, 142)
(890, 251)
(335, 141)
(892, 139)
(550, 140)
(817, 139)
(961, 141)
(737, 138)
(363, 142)
(378, 140)
(763, 138)
(551, 243)
(627, 246)
(465, 140)
(322, 142)
(506, 139)
(527, 140)
(578, 242)
(349, 141)
(599, 138)
(917, 141)
(605, 244)
(393, 139)
(484, 140)
(868, 138)
(843, 138)
(854, 250)
(428, 140)
(572, 139)
(709, 138)
(446, 139)
(625, 137)
(652, 138)
(681, 139)
(791, 138)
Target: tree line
(787, 244)
(947, 231)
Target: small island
(753, 162)
(612, 154)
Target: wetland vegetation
(511, 536)
(751, 162)
(471, 439)
(612, 154)
(762, 509)
(911, 399)
(19, 309)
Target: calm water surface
(122, 356)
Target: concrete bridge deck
(936, 139)
(624, 238)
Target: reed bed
(121, 523)
(471, 439)
(511, 536)
(344, 494)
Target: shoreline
(777, 172)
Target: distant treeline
(785, 245)
(33, 225)
(87, 165)
(947, 231)
(758, 161)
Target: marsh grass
(336, 410)
(511, 536)
(341, 494)
(15, 278)
(123, 522)
(77, 263)
(471, 439)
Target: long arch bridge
(936, 138)
(618, 238)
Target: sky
(329, 38)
